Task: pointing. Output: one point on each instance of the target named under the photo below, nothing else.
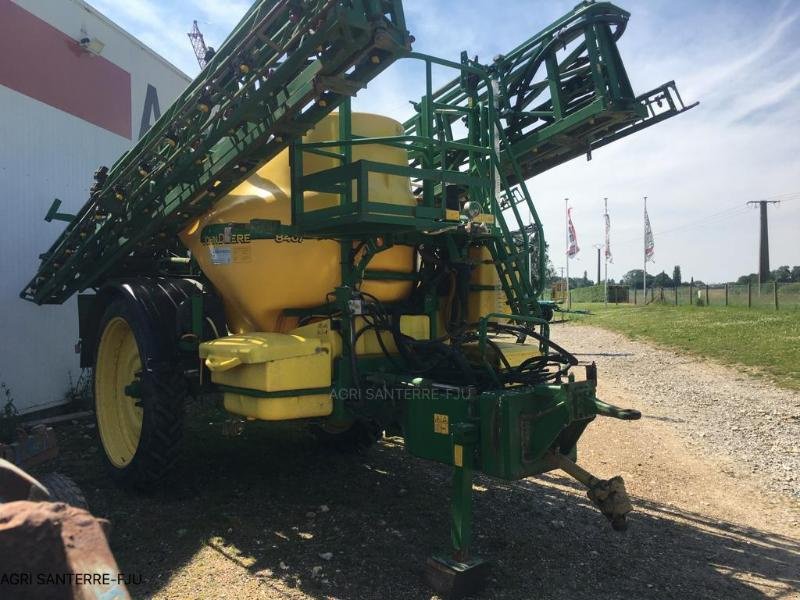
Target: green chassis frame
(503, 432)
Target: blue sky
(740, 58)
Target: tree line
(784, 274)
(633, 278)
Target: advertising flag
(573, 248)
(649, 243)
(609, 258)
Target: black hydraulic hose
(454, 353)
(425, 356)
(517, 330)
(500, 354)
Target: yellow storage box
(266, 364)
(283, 408)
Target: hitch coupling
(609, 495)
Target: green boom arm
(285, 66)
(561, 94)
(565, 91)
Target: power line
(720, 216)
(703, 221)
(788, 197)
(716, 217)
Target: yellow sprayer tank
(257, 279)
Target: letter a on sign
(150, 108)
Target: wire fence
(771, 295)
(766, 295)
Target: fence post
(775, 290)
(661, 293)
(726, 294)
(749, 294)
(707, 304)
(676, 295)
(634, 295)
(691, 293)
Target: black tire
(161, 396)
(64, 489)
(356, 439)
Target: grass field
(765, 341)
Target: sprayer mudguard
(156, 301)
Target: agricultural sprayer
(264, 242)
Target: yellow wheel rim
(118, 418)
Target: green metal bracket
(134, 389)
(54, 215)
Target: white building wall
(46, 153)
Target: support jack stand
(453, 579)
(461, 574)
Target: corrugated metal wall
(56, 128)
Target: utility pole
(763, 240)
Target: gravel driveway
(718, 409)
(270, 515)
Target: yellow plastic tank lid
(254, 348)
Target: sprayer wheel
(139, 412)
